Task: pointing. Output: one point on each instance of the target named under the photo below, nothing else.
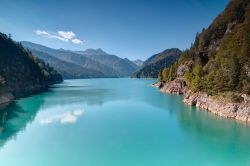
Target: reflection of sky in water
(63, 118)
(126, 123)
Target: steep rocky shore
(217, 105)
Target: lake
(116, 122)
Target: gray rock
(6, 98)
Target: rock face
(6, 98)
(218, 106)
(178, 86)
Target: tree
(160, 78)
(165, 73)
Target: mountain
(219, 59)
(78, 66)
(138, 62)
(214, 73)
(91, 63)
(155, 63)
(123, 67)
(67, 69)
(21, 73)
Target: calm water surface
(116, 122)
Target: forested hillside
(219, 59)
(21, 73)
(152, 66)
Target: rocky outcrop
(217, 105)
(178, 86)
(183, 68)
(6, 98)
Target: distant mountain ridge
(123, 67)
(138, 62)
(152, 66)
(91, 63)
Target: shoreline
(217, 106)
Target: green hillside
(21, 73)
(219, 59)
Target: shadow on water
(15, 117)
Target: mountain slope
(155, 63)
(219, 60)
(67, 69)
(138, 62)
(94, 63)
(76, 59)
(20, 72)
(123, 67)
(214, 74)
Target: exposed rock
(182, 69)
(6, 98)
(157, 84)
(178, 86)
(230, 27)
(218, 106)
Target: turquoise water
(116, 122)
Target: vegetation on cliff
(21, 73)
(219, 59)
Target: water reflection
(14, 117)
(68, 117)
(218, 133)
(64, 104)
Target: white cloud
(41, 32)
(49, 35)
(77, 41)
(58, 37)
(65, 36)
(69, 117)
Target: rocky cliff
(214, 73)
(217, 104)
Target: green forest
(22, 73)
(219, 59)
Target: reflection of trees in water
(14, 117)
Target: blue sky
(127, 28)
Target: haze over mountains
(91, 63)
(138, 62)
